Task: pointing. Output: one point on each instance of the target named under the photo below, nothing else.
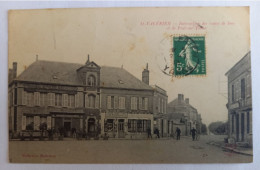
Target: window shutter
(116, 102)
(24, 98)
(53, 99)
(132, 103)
(76, 100)
(108, 102)
(48, 122)
(146, 103)
(140, 103)
(123, 102)
(23, 122)
(49, 99)
(97, 101)
(36, 120)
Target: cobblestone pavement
(123, 151)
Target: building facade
(97, 100)
(183, 115)
(240, 100)
(160, 109)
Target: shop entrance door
(121, 133)
(67, 127)
(91, 127)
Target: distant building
(90, 98)
(183, 115)
(240, 100)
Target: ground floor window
(109, 125)
(29, 123)
(138, 125)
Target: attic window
(54, 77)
(120, 81)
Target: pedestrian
(157, 133)
(193, 133)
(178, 132)
(149, 134)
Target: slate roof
(182, 103)
(66, 73)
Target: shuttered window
(108, 102)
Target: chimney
(14, 69)
(180, 97)
(88, 60)
(145, 75)
(187, 100)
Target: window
(138, 125)
(131, 125)
(112, 102)
(42, 99)
(248, 85)
(30, 101)
(92, 99)
(133, 103)
(108, 102)
(37, 98)
(243, 88)
(109, 125)
(58, 100)
(65, 100)
(159, 105)
(247, 122)
(91, 81)
(143, 103)
(237, 91)
(52, 99)
(233, 93)
(232, 124)
(29, 123)
(121, 102)
(71, 102)
(24, 98)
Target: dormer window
(91, 81)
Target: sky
(132, 37)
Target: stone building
(94, 99)
(126, 104)
(240, 100)
(159, 109)
(183, 115)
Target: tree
(204, 129)
(218, 128)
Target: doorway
(237, 127)
(67, 127)
(121, 133)
(91, 126)
(242, 126)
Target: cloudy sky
(133, 37)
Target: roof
(181, 103)
(120, 78)
(66, 73)
(239, 62)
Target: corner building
(240, 101)
(103, 100)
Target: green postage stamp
(189, 55)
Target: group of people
(193, 132)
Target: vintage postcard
(130, 85)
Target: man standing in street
(149, 133)
(193, 133)
(178, 132)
